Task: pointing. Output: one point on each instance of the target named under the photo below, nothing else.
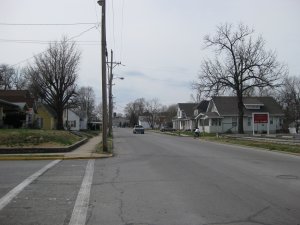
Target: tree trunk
(60, 123)
(241, 114)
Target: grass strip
(257, 144)
(99, 147)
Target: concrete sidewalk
(85, 151)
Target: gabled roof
(188, 108)
(228, 105)
(202, 106)
(17, 96)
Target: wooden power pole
(104, 90)
(110, 100)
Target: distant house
(46, 117)
(26, 103)
(260, 115)
(83, 119)
(184, 119)
(119, 121)
(71, 120)
(142, 120)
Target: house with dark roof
(25, 102)
(261, 115)
(184, 119)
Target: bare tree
(241, 64)
(197, 96)
(85, 101)
(20, 81)
(289, 97)
(6, 77)
(97, 113)
(134, 109)
(152, 110)
(54, 74)
(167, 115)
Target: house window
(249, 121)
(234, 121)
(216, 122)
(271, 120)
(72, 123)
(206, 122)
(40, 122)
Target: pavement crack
(249, 219)
(120, 192)
(257, 213)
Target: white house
(144, 121)
(71, 120)
(184, 119)
(261, 115)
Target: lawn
(257, 144)
(31, 137)
(110, 146)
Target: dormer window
(253, 106)
(196, 112)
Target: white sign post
(261, 118)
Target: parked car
(138, 129)
(163, 129)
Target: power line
(41, 41)
(83, 32)
(78, 35)
(46, 24)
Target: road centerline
(82, 202)
(15, 191)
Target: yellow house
(46, 117)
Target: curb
(49, 157)
(30, 150)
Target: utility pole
(104, 90)
(110, 97)
(110, 103)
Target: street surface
(155, 179)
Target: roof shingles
(228, 105)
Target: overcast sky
(160, 42)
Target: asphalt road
(155, 179)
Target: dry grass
(29, 137)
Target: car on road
(163, 129)
(138, 129)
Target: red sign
(261, 118)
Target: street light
(101, 2)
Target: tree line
(153, 112)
